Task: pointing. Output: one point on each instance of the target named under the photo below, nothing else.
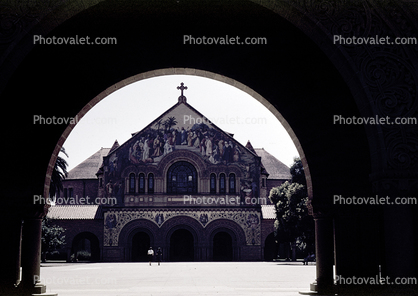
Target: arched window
(222, 185)
(182, 178)
(141, 183)
(232, 184)
(212, 183)
(150, 183)
(132, 183)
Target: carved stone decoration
(18, 17)
(387, 71)
(248, 220)
(402, 154)
(393, 84)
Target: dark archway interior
(270, 248)
(222, 247)
(140, 245)
(290, 71)
(181, 246)
(85, 247)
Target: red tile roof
(75, 212)
(268, 212)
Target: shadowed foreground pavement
(180, 278)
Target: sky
(134, 106)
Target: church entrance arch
(222, 247)
(181, 245)
(141, 242)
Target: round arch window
(182, 178)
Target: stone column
(31, 255)
(324, 247)
(324, 244)
(10, 270)
(399, 241)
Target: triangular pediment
(181, 127)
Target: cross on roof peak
(182, 98)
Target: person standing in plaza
(150, 255)
(159, 255)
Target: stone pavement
(179, 278)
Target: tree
(293, 223)
(52, 237)
(58, 174)
(297, 172)
(169, 122)
(159, 123)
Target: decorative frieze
(249, 220)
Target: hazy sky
(133, 107)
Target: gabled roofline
(168, 111)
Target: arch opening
(181, 245)
(191, 73)
(85, 247)
(222, 247)
(141, 242)
(270, 248)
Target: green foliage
(297, 171)
(169, 122)
(290, 203)
(293, 223)
(52, 237)
(58, 174)
(82, 255)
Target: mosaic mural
(180, 128)
(114, 221)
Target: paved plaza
(180, 278)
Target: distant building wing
(274, 167)
(88, 168)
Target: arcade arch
(348, 64)
(85, 247)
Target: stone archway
(270, 248)
(382, 160)
(222, 247)
(85, 247)
(181, 245)
(141, 242)
(232, 251)
(131, 249)
(192, 233)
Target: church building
(184, 186)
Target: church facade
(186, 187)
